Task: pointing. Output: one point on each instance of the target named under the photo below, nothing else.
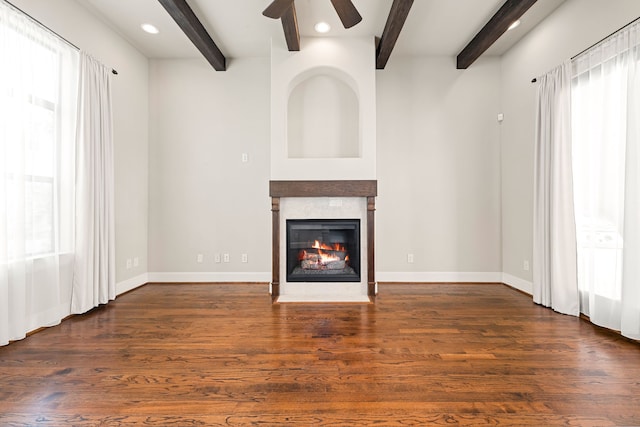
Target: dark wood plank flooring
(183, 355)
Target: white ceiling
(434, 27)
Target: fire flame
(326, 258)
(335, 247)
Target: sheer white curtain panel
(554, 241)
(606, 123)
(38, 95)
(94, 268)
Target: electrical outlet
(128, 263)
(200, 258)
(245, 157)
(525, 265)
(217, 258)
(245, 258)
(136, 262)
(225, 257)
(410, 258)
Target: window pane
(45, 72)
(39, 199)
(40, 142)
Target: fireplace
(323, 250)
(340, 216)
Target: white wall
(350, 60)
(574, 26)
(203, 198)
(438, 170)
(130, 107)
(438, 175)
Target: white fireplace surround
(341, 199)
(323, 208)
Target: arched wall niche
(323, 115)
(351, 61)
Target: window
(606, 170)
(599, 140)
(44, 274)
(37, 94)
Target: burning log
(308, 264)
(323, 257)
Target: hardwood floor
(183, 355)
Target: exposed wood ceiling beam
(290, 27)
(510, 12)
(397, 17)
(277, 8)
(347, 12)
(193, 28)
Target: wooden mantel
(347, 188)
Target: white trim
(204, 277)
(518, 283)
(440, 277)
(265, 277)
(132, 283)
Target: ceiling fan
(344, 8)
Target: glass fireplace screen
(323, 250)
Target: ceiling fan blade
(277, 8)
(347, 12)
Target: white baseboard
(265, 277)
(204, 277)
(440, 277)
(132, 283)
(518, 283)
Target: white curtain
(554, 240)
(38, 95)
(94, 270)
(606, 122)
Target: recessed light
(151, 29)
(513, 25)
(322, 27)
